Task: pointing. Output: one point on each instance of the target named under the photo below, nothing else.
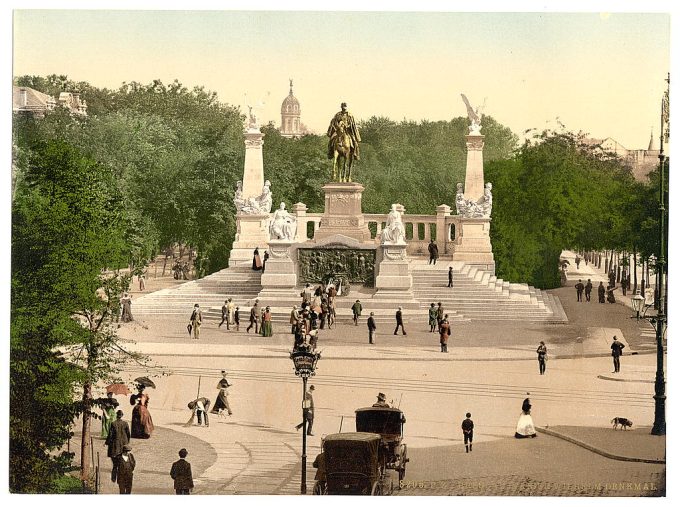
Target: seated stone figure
(283, 225)
(394, 232)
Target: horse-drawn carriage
(358, 463)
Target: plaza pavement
(489, 370)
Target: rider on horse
(350, 127)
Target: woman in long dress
(257, 261)
(142, 424)
(108, 414)
(267, 323)
(525, 425)
(222, 402)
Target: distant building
(291, 126)
(641, 161)
(32, 102)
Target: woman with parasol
(142, 424)
(109, 405)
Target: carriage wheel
(403, 459)
(377, 489)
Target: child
(467, 428)
(236, 318)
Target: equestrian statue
(343, 143)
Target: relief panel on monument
(318, 265)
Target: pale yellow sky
(601, 74)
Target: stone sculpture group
(260, 205)
(471, 209)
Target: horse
(342, 147)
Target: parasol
(117, 389)
(145, 381)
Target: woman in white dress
(525, 425)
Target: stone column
(300, 212)
(443, 211)
(253, 167)
(251, 230)
(474, 170)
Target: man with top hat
(381, 401)
(181, 474)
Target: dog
(621, 421)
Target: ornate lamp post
(304, 361)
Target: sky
(598, 73)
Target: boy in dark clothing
(467, 428)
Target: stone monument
(474, 201)
(252, 198)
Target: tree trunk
(85, 450)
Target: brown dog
(621, 421)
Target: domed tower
(290, 115)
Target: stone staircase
(242, 284)
(478, 295)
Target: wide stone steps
(478, 295)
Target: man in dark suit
(125, 467)
(589, 288)
(617, 352)
(254, 318)
(579, 291)
(433, 251)
(181, 474)
(119, 437)
(400, 322)
(450, 277)
(371, 328)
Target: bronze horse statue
(342, 148)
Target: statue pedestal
(279, 279)
(473, 244)
(251, 231)
(394, 282)
(343, 214)
(253, 168)
(474, 171)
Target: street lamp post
(304, 361)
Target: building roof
(290, 104)
(28, 99)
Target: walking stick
(342, 418)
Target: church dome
(290, 104)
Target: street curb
(599, 451)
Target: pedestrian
(126, 308)
(225, 315)
(222, 401)
(400, 322)
(237, 318)
(617, 351)
(610, 294)
(450, 277)
(578, 261)
(108, 405)
(588, 289)
(434, 252)
(294, 315)
(254, 318)
(371, 328)
(230, 312)
(119, 436)
(440, 314)
(265, 259)
(444, 333)
(195, 322)
(624, 284)
(356, 312)
(200, 409)
(181, 474)
(142, 282)
(308, 411)
(125, 467)
(525, 424)
(432, 317)
(542, 352)
(306, 294)
(257, 261)
(331, 312)
(468, 426)
(600, 293)
(267, 329)
(579, 291)
(142, 423)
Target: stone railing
(420, 229)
